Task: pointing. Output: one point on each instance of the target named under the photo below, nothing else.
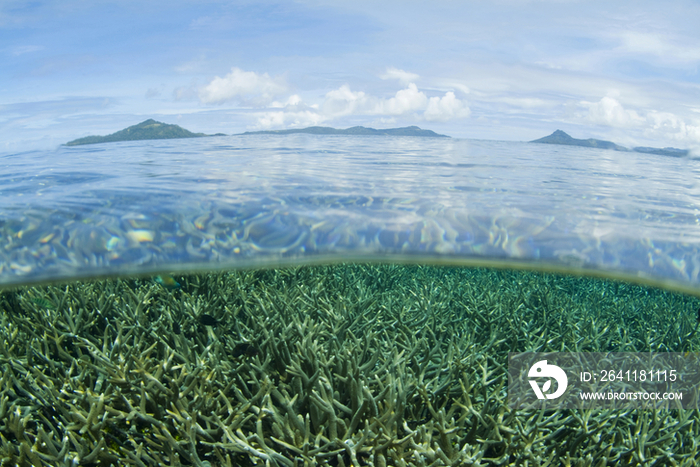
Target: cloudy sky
(623, 70)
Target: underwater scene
(341, 365)
(346, 301)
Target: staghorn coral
(350, 365)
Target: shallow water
(350, 364)
(246, 201)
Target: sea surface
(146, 207)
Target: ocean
(331, 300)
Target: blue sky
(623, 70)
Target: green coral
(353, 365)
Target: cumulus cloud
(343, 101)
(671, 126)
(408, 101)
(652, 123)
(246, 87)
(405, 101)
(445, 108)
(609, 111)
(290, 110)
(404, 77)
(293, 113)
(288, 119)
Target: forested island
(150, 129)
(354, 131)
(560, 137)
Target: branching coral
(344, 365)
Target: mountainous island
(559, 137)
(150, 129)
(354, 131)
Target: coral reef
(346, 365)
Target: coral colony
(346, 365)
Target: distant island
(559, 137)
(354, 131)
(150, 129)
(673, 152)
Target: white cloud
(288, 119)
(244, 86)
(446, 108)
(410, 100)
(671, 126)
(343, 101)
(653, 124)
(405, 101)
(292, 101)
(404, 77)
(291, 111)
(609, 111)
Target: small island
(354, 131)
(673, 152)
(150, 129)
(560, 137)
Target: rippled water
(242, 201)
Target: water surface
(246, 201)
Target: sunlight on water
(139, 207)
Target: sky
(624, 70)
